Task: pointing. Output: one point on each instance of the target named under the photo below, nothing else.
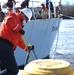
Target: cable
(27, 40)
(55, 46)
(30, 45)
(54, 51)
(27, 57)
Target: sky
(42, 1)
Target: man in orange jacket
(10, 38)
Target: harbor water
(63, 47)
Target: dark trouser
(7, 59)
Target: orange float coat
(9, 30)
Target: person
(9, 6)
(47, 4)
(57, 11)
(2, 15)
(12, 1)
(23, 4)
(10, 37)
(52, 9)
(44, 9)
(51, 5)
(27, 3)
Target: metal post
(60, 8)
(60, 5)
(54, 8)
(14, 7)
(49, 10)
(33, 10)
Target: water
(65, 45)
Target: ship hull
(41, 34)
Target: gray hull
(41, 34)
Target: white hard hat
(27, 12)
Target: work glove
(32, 47)
(22, 31)
(29, 48)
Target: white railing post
(14, 7)
(49, 10)
(33, 10)
(54, 8)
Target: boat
(40, 33)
